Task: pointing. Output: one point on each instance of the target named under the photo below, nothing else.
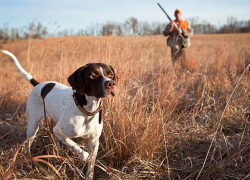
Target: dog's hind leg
(35, 113)
(32, 128)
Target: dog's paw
(84, 156)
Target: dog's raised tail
(25, 74)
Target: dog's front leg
(71, 144)
(93, 146)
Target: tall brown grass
(160, 124)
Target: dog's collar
(99, 109)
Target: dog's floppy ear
(76, 82)
(115, 76)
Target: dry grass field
(160, 124)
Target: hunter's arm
(169, 28)
(187, 32)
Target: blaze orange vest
(183, 24)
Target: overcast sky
(78, 14)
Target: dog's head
(94, 79)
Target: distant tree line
(232, 26)
(32, 30)
(131, 27)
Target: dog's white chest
(81, 125)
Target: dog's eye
(92, 76)
(111, 75)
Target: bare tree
(144, 28)
(193, 20)
(35, 30)
(156, 28)
(232, 24)
(108, 29)
(133, 23)
(81, 32)
(15, 34)
(119, 31)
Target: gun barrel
(164, 12)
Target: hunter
(178, 48)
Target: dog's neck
(89, 103)
(92, 103)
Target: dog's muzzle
(111, 87)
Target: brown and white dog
(76, 111)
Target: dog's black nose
(109, 84)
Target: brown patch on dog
(46, 89)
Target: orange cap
(177, 10)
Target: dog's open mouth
(111, 92)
